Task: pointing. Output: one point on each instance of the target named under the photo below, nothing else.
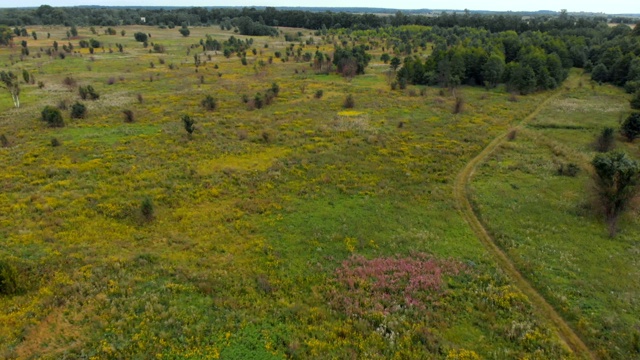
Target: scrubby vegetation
(78, 111)
(52, 116)
(286, 192)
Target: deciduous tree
(631, 126)
(492, 70)
(10, 82)
(616, 183)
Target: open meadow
(551, 233)
(288, 225)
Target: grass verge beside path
(461, 195)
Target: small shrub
(258, 101)
(4, 142)
(88, 93)
(635, 341)
(63, 104)
(147, 209)
(184, 31)
(605, 140)
(129, 117)
(266, 136)
(78, 111)
(52, 116)
(263, 284)
(55, 142)
(209, 103)
(8, 278)
(570, 170)
(140, 37)
(459, 105)
(189, 124)
(275, 88)
(69, 82)
(318, 94)
(40, 85)
(631, 127)
(349, 102)
(635, 101)
(269, 97)
(402, 83)
(242, 134)
(157, 48)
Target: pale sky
(609, 7)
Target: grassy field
(552, 232)
(300, 230)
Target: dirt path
(571, 339)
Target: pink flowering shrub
(390, 284)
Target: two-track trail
(460, 192)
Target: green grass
(249, 229)
(106, 135)
(552, 231)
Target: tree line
(270, 16)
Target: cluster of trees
(261, 19)
(617, 58)
(228, 47)
(351, 61)
(92, 43)
(246, 26)
(533, 70)
(6, 35)
(526, 62)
